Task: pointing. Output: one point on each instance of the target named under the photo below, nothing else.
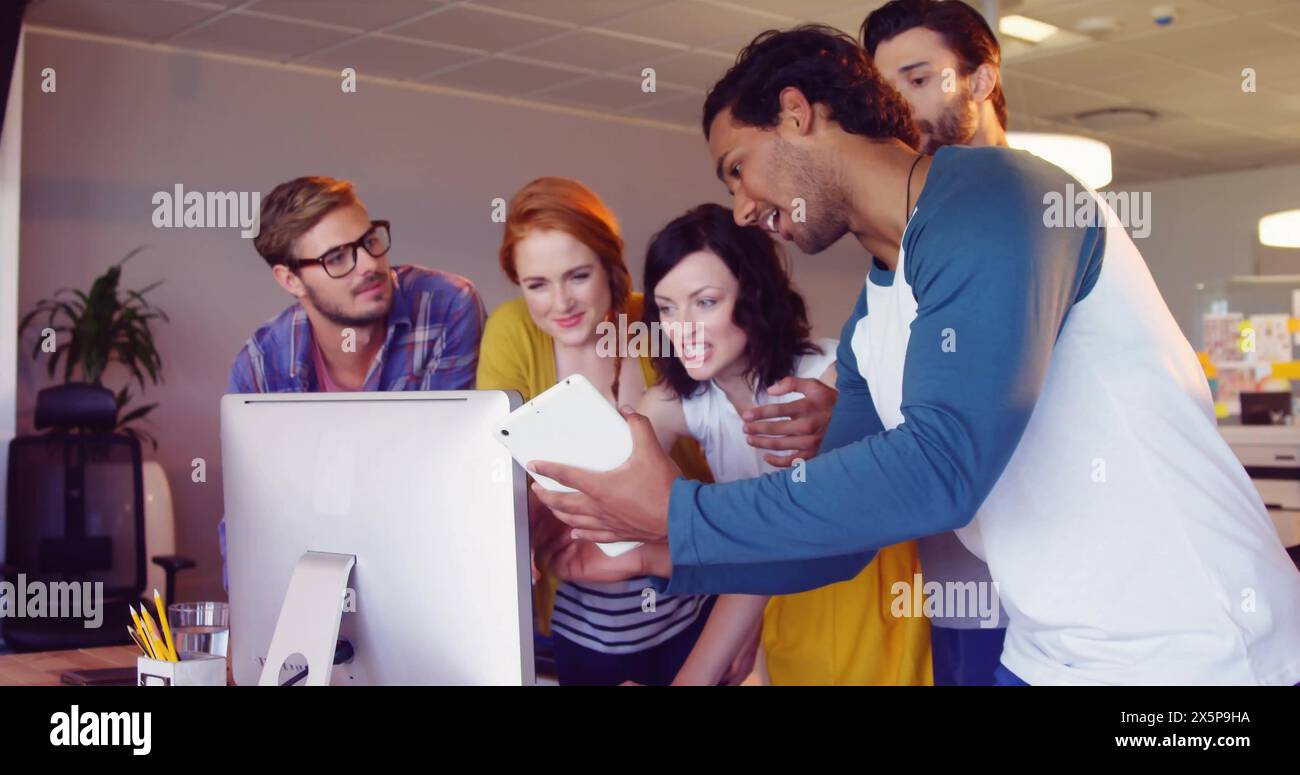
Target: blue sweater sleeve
(994, 284)
(762, 578)
(854, 418)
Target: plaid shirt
(434, 329)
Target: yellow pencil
(155, 639)
(166, 628)
(144, 636)
(131, 632)
(159, 647)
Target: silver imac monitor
(414, 486)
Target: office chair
(75, 504)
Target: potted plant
(96, 328)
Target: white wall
(10, 170)
(128, 121)
(1205, 229)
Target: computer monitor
(414, 485)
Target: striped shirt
(609, 618)
(432, 342)
(621, 618)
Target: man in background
(942, 56)
(943, 59)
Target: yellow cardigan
(840, 634)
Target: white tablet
(573, 424)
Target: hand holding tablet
(573, 424)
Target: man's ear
(289, 280)
(983, 81)
(796, 110)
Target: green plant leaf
(22, 326)
(53, 363)
(102, 325)
(139, 294)
(136, 414)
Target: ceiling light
(1110, 119)
(1025, 28)
(1280, 230)
(1083, 157)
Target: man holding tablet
(994, 367)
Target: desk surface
(43, 668)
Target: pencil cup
(198, 670)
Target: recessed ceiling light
(1280, 230)
(1087, 159)
(1115, 118)
(1025, 28)
(1098, 25)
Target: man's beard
(336, 315)
(825, 207)
(955, 126)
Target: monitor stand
(310, 617)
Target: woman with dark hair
(721, 297)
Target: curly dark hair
(768, 309)
(827, 66)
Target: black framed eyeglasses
(339, 260)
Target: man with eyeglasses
(358, 324)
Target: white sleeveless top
(714, 422)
